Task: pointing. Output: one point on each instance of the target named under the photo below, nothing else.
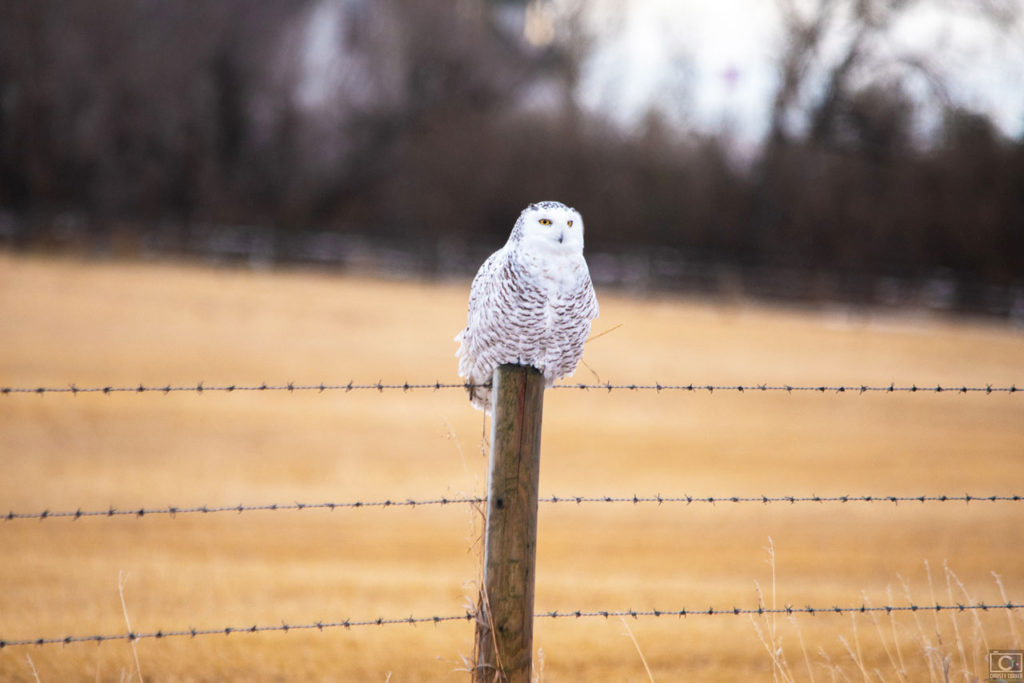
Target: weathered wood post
(504, 629)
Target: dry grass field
(66, 321)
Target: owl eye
(570, 224)
(545, 221)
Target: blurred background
(867, 151)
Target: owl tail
(479, 396)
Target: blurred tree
(458, 75)
(834, 54)
(419, 122)
(842, 183)
(130, 109)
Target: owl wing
(478, 339)
(483, 284)
(590, 308)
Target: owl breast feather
(527, 312)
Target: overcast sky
(709, 63)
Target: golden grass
(64, 321)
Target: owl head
(549, 227)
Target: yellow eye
(545, 221)
(570, 224)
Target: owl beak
(561, 236)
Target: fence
(504, 614)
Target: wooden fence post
(504, 629)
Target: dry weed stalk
(629, 632)
(980, 640)
(122, 579)
(946, 656)
(855, 652)
(932, 653)
(481, 611)
(832, 668)
(774, 648)
(897, 664)
(803, 648)
(32, 667)
(895, 635)
(773, 642)
(957, 638)
(1009, 613)
(450, 435)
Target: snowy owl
(531, 302)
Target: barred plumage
(531, 302)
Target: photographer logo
(1005, 665)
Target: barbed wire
(174, 511)
(229, 630)
(788, 609)
(689, 500)
(471, 615)
(380, 386)
(817, 388)
(200, 388)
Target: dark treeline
(436, 120)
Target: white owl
(531, 302)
